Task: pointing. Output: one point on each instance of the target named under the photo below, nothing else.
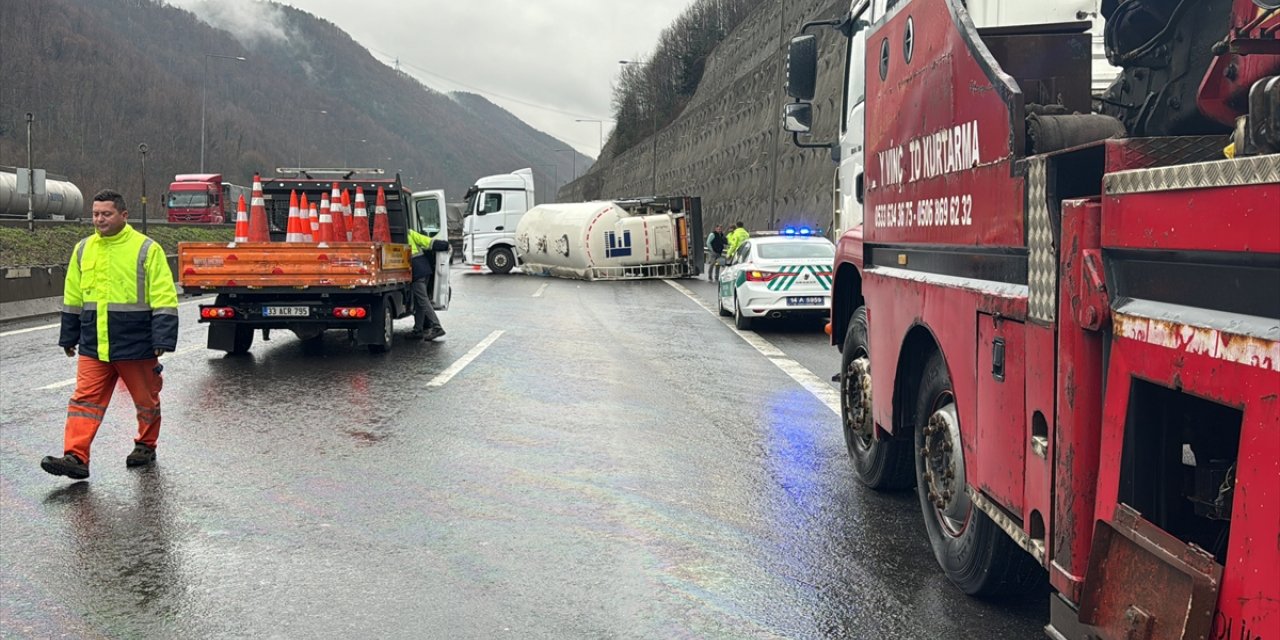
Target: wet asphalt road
(617, 463)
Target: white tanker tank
(61, 198)
(610, 241)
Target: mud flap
(222, 336)
(370, 332)
(1145, 584)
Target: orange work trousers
(95, 382)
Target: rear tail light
(348, 313)
(217, 313)
(761, 276)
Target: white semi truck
(495, 205)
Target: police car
(778, 275)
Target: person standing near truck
(120, 308)
(421, 246)
(716, 244)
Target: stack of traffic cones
(326, 223)
(360, 219)
(242, 222)
(346, 214)
(294, 231)
(339, 223)
(381, 225)
(259, 228)
(308, 223)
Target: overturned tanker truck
(614, 240)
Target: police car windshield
(784, 250)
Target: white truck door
(429, 219)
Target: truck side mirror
(798, 117)
(802, 67)
(164, 200)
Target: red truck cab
(202, 198)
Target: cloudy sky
(550, 62)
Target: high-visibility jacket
(736, 238)
(119, 301)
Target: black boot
(68, 465)
(142, 456)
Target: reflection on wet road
(572, 460)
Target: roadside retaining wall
(35, 291)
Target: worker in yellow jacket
(120, 309)
(423, 250)
(738, 236)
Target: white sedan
(777, 276)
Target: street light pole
(345, 155)
(31, 179)
(601, 123)
(204, 97)
(301, 135)
(574, 156)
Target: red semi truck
(1062, 325)
(203, 198)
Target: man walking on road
(423, 247)
(738, 236)
(716, 244)
(120, 308)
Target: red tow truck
(1061, 323)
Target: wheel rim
(500, 260)
(943, 456)
(857, 392)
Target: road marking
(55, 325)
(67, 383)
(457, 367)
(538, 294)
(820, 388)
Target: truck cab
(202, 198)
(494, 207)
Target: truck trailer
(1059, 319)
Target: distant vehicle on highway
(203, 198)
(778, 275)
(61, 198)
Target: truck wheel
(388, 330)
(884, 463)
(974, 553)
(243, 340)
(500, 260)
(743, 323)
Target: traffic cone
(294, 232)
(259, 229)
(310, 224)
(313, 218)
(242, 222)
(326, 225)
(339, 224)
(381, 225)
(360, 219)
(346, 214)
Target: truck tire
(881, 464)
(743, 323)
(975, 554)
(500, 260)
(243, 341)
(388, 329)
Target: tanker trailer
(61, 198)
(604, 241)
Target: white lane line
(55, 325)
(67, 383)
(457, 367)
(820, 388)
(538, 294)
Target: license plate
(286, 312)
(805, 301)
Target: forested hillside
(102, 76)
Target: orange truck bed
(278, 265)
